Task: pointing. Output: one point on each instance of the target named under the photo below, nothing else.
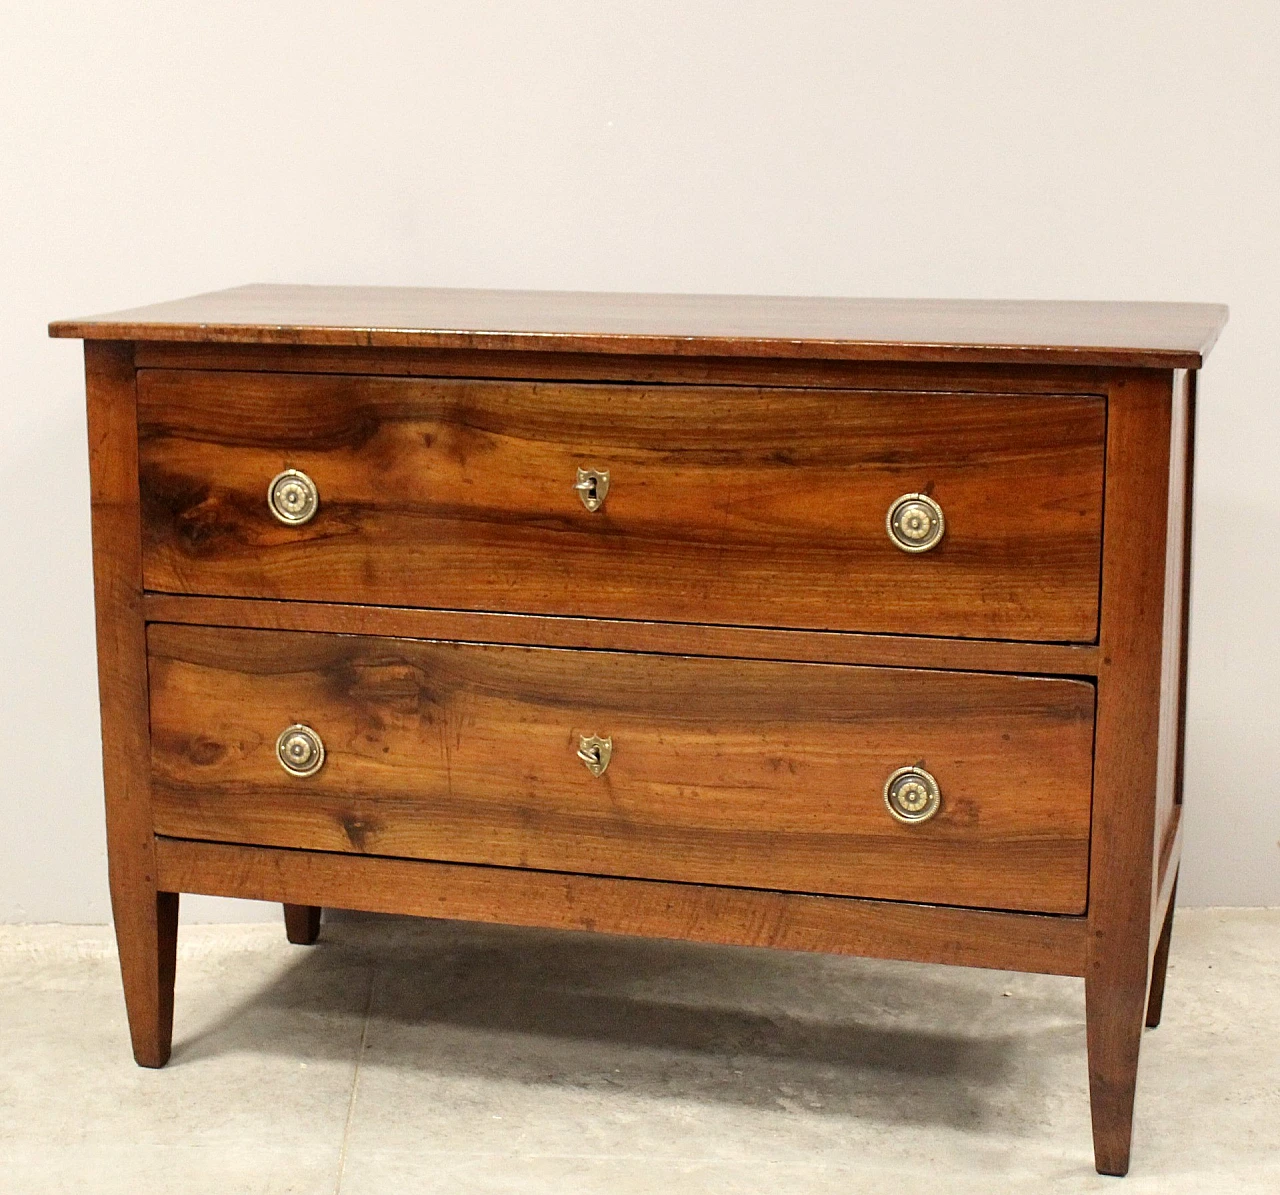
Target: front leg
(146, 919)
(147, 938)
(1115, 1001)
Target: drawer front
(746, 773)
(733, 505)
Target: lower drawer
(732, 772)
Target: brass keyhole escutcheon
(915, 523)
(595, 752)
(912, 795)
(293, 498)
(300, 750)
(592, 486)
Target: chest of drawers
(836, 625)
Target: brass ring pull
(595, 752)
(592, 486)
(300, 750)
(912, 795)
(915, 523)
(293, 498)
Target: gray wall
(1018, 149)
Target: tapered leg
(302, 924)
(1114, 1016)
(146, 920)
(147, 937)
(1141, 562)
(1160, 964)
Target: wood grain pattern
(755, 643)
(950, 377)
(746, 773)
(741, 506)
(1162, 335)
(146, 917)
(1186, 388)
(787, 921)
(1177, 576)
(1123, 878)
(754, 445)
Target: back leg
(302, 924)
(1160, 964)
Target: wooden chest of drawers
(821, 624)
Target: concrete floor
(420, 1056)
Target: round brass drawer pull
(293, 497)
(300, 750)
(912, 795)
(915, 523)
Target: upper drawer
(736, 505)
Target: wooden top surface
(1159, 335)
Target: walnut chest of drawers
(824, 624)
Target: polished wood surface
(1182, 505)
(753, 774)
(726, 505)
(667, 638)
(1123, 874)
(1169, 335)
(1175, 635)
(952, 377)
(146, 918)
(453, 619)
(739, 916)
